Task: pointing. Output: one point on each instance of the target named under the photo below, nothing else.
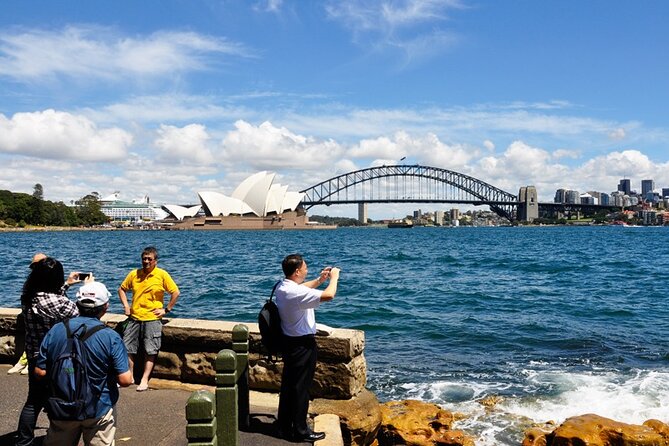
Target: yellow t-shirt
(148, 291)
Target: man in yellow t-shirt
(148, 285)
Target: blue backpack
(72, 397)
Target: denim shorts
(149, 331)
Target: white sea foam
(631, 398)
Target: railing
(214, 419)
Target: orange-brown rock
(594, 430)
(360, 417)
(420, 424)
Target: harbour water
(557, 321)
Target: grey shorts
(150, 332)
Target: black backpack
(72, 397)
(269, 323)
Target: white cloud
(96, 52)
(617, 134)
(489, 145)
(427, 149)
(59, 135)
(266, 147)
(187, 144)
(563, 153)
(382, 25)
(168, 108)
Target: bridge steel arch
(410, 184)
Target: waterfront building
(586, 198)
(560, 196)
(625, 186)
(604, 199)
(601, 198)
(455, 216)
(618, 198)
(572, 197)
(438, 218)
(646, 187)
(665, 192)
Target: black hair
(95, 312)
(291, 264)
(151, 250)
(46, 276)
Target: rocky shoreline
(365, 421)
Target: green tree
(89, 211)
(38, 192)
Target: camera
(83, 276)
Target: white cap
(93, 294)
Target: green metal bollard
(201, 417)
(240, 344)
(226, 398)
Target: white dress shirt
(296, 307)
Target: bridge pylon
(528, 204)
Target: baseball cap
(93, 294)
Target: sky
(167, 98)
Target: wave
(547, 395)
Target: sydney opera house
(257, 203)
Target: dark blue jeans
(38, 392)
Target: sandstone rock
(594, 430)
(328, 382)
(360, 416)
(491, 401)
(659, 427)
(168, 366)
(535, 437)
(421, 424)
(7, 350)
(199, 367)
(332, 380)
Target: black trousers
(299, 366)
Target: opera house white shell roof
(255, 195)
(180, 212)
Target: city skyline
(169, 98)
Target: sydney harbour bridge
(423, 184)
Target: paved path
(155, 417)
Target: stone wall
(190, 347)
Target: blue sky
(168, 98)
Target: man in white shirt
(296, 299)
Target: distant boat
(401, 224)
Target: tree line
(21, 209)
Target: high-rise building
(559, 196)
(665, 192)
(438, 218)
(604, 199)
(647, 186)
(625, 186)
(572, 197)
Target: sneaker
(18, 368)
(25, 370)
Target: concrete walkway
(157, 416)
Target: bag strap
(82, 331)
(274, 289)
(91, 332)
